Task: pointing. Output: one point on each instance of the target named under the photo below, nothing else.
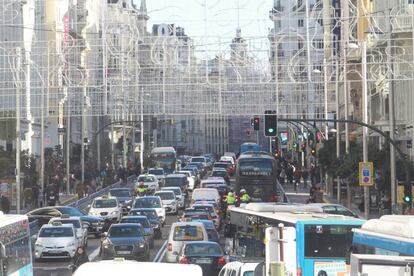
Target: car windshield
(176, 191)
(166, 195)
(210, 209)
(156, 171)
(198, 159)
(197, 216)
(57, 232)
(188, 233)
(72, 212)
(74, 222)
(150, 214)
(221, 165)
(170, 181)
(256, 167)
(219, 173)
(147, 202)
(203, 249)
(121, 193)
(122, 231)
(146, 179)
(104, 203)
(143, 221)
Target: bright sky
(222, 18)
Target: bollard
(277, 269)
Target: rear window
(219, 173)
(143, 221)
(104, 203)
(205, 194)
(166, 195)
(221, 165)
(145, 202)
(174, 181)
(156, 172)
(146, 179)
(176, 191)
(188, 233)
(198, 159)
(124, 231)
(57, 232)
(203, 249)
(150, 214)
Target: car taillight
(184, 260)
(221, 261)
(169, 247)
(299, 271)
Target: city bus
(164, 157)
(15, 246)
(256, 172)
(388, 235)
(312, 242)
(249, 147)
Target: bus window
(327, 241)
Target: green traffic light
(407, 199)
(271, 130)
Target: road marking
(94, 254)
(160, 254)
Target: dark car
(125, 240)
(146, 225)
(191, 214)
(44, 214)
(177, 180)
(199, 166)
(221, 173)
(151, 214)
(208, 255)
(124, 196)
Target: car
(125, 197)
(153, 202)
(335, 209)
(193, 172)
(220, 172)
(208, 255)
(159, 173)
(182, 233)
(80, 228)
(212, 233)
(44, 214)
(239, 269)
(200, 159)
(227, 158)
(106, 208)
(125, 240)
(149, 181)
(151, 214)
(179, 196)
(212, 180)
(146, 225)
(206, 193)
(56, 241)
(230, 154)
(177, 180)
(191, 214)
(225, 165)
(199, 166)
(169, 202)
(215, 216)
(190, 178)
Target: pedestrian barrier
(283, 193)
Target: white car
(227, 158)
(169, 202)
(238, 269)
(191, 179)
(106, 208)
(179, 196)
(153, 202)
(80, 228)
(56, 240)
(150, 182)
(159, 173)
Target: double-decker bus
(307, 242)
(388, 235)
(256, 172)
(15, 246)
(164, 157)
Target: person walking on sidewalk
(305, 175)
(297, 175)
(289, 173)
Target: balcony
(402, 23)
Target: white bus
(15, 246)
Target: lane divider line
(160, 254)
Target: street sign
(366, 174)
(61, 130)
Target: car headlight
(141, 245)
(38, 244)
(155, 226)
(106, 244)
(70, 244)
(115, 212)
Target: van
(119, 266)
(181, 233)
(205, 194)
(177, 180)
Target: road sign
(61, 130)
(366, 174)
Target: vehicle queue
(217, 229)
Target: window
(124, 231)
(300, 23)
(188, 233)
(57, 232)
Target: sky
(223, 17)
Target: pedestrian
(289, 173)
(282, 176)
(305, 175)
(5, 204)
(80, 190)
(297, 174)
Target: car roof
(189, 223)
(143, 197)
(155, 169)
(134, 217)
(163, 192)
(66, 218)
(57, 226)
(124, 224)
(201, 242)
(175, 175)
(143, 209)
(146, 174)
(106, 197)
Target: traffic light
(313, 151)
(277, 154)
(270, 123)
(256, 123)
(407, 193)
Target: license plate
(124, 252)
(55, 251)
(203, 261)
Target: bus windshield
(256, 167)
(327, 241)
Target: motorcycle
(51, 198)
